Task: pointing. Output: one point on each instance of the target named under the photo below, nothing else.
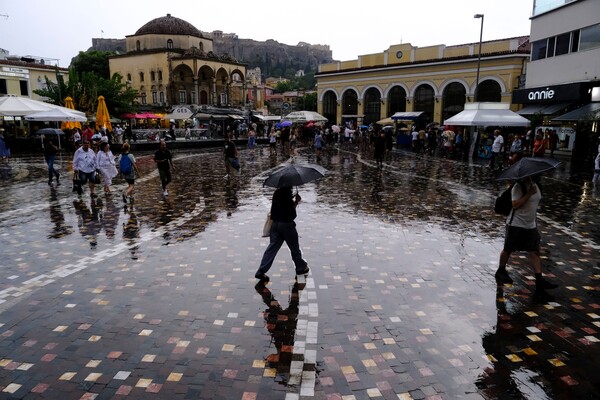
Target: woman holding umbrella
(521, 227)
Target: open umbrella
(70, 124)
(335, 128)
(50, 131)
(294, 175)
(305, 116)
(102, 117)
(526, 167)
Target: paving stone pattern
(156, 299)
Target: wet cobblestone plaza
(158, 300)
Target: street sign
(286, 106)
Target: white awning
(407, 115)
(487, 114)
(233, 116)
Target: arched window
(453, 100)
(169, 44)
(138, 45)
(489, 90)
(152, 76)
(160, 75)
(129, 77)
(141, 77)
(201, 46)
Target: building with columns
(170, 62)
(437, 80)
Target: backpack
(125, 164)
(503, 204)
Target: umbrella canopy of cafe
(19, 106)
(55, 114)
(305, 116)
(70, 124)
(102, 116)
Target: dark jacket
(283, 207)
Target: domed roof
(169, 25)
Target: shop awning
(545, 109)
(233, 116)
(407, 115)
(589, 112)
(487, 114)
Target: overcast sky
(61, 28)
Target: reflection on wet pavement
(157, 298)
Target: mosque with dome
(171, 63)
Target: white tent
(179, 113)
(304, 116)
(55, 114)
(18, 106)
(487, 114)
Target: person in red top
(87, 134)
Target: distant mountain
(273, 58)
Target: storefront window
(590, 37)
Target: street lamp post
(476, 95)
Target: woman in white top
(105, 160)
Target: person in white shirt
(497, 149)
(84, 165)
(119, 134)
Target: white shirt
(498, 143)
(525, 217)
(84, 161)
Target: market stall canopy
(19, 106)
(305, 116)
(385, 121)
(179, 113)
(55, 114)
(268, 117)
(406, 115)
(487, 114)
(589, 112)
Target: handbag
(97, 179)
(267, 226)
(235, 163)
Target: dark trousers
(51, 171)
(282, 232)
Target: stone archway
(330, 106)
(205, 79)
(181, 85)
(453, 100)
(424, 100)
(489, 90)
(372, 106)
(221, 88)
(396, 100)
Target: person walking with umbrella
(50, 150)
(521, 226)
(283, 214)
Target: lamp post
(476, 95)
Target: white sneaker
(165, 193)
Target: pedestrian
(105, 160)
(119, 134)
(318, 143)
(128, 170)
(293, 141)
(283, 229)
(497, 151)
(76, 138)
(230, 155)
(539, 145)
(84, 165)
(522, 233)
(596, 178)
(4, 146)
(251, 138)
(516, 150)
(164, 163)
(188, 133)
(50, 150)
(380, 149)
(273, 142)
(552, 141)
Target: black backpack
(503, 204)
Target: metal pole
(476, 94)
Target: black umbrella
(527, 167)
(294, 175)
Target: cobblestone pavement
(157, 299)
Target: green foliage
(89, 78)
(93, 61)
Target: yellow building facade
(169, 62)
(436, 80)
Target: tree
(94, 61)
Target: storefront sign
(548, 94)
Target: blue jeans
(51, 170)
(282, 232)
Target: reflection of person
(164, 163)
(84, 164)
(281, 324)
(57, 217)
(50, 150)
(522, 233)
(283, 214)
